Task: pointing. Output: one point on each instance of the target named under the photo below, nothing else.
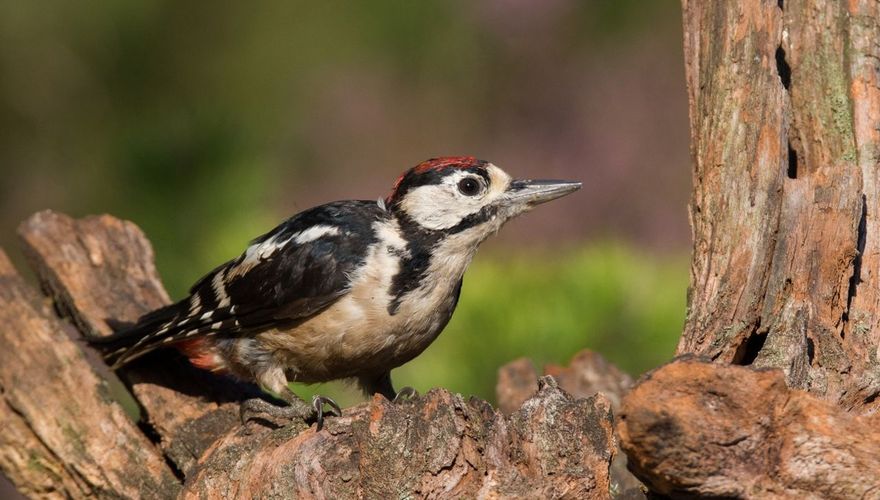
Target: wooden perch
(693, 429)
(438, 446)
(65, 437)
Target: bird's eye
(469, 186)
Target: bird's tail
(148, 334)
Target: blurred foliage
(206, 122)
(625, 304)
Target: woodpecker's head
(468, 197)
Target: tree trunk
(64, 434)
(785, 141)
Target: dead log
(65, 436)
(784, 102)
(696, 429)
(586, 374)
(438, 446)
(100, 270)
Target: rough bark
(65, 436)
(588, 373)
(62, 434)
(438, 446)
(692, 428)
(784, 106)
(100, 270)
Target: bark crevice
(788, 107)
(792, 169)
(782, 68)
(693, 429)
(856, 279)
(749, 349)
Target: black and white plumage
(286, 275)
(345, 289)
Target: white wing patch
(220, 290)
(315, 232)
(195, 303)
(257, 252)
(261, 251)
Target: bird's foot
(405, 394)
(318, 403)
(296, 409)
(260, 409)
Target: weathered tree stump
(785, 137)
(587, 373)
(66, 437)
(100, 270)
(785, 106)
(438, 446)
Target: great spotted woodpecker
(350, 289)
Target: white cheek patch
(436, 207)
(442, 206)
(389, 233)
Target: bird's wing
(287, 275)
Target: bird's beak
(528, 193)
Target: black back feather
(247, 295)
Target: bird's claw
(297, 409)
(318, 403)
(256, 408)
(405, 394)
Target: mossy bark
(784, 103)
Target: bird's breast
(360, 333)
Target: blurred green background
(207, 122)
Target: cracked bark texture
(587, 373)
(785, 142)
(100, 270)
(694, 429)
(62, 434)
(66, 435)
(437, 446)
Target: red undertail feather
(201, 354)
